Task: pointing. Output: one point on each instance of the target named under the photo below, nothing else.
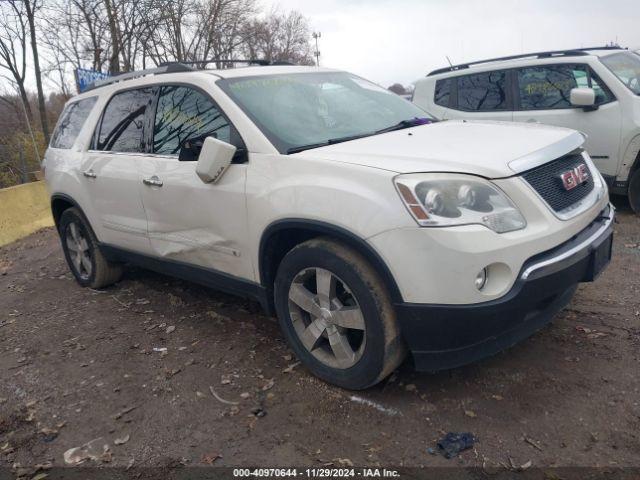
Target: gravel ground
(169, 373)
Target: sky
(391, 41)
(400, 41)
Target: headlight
(442, 200)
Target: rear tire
(336, 314)
(634, 191)
(82, 252)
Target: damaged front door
(189, 220)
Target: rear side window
(483, 92)
(443, 92)
(71, 122)
(549, 87)
(123, 120)
(184, 113)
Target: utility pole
(316, 36)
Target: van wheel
(336, 314)
(83, 255)
(634, 191)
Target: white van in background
(594, 90)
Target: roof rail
(576, 52)
(164, 68)
(251, 61)
(174, 67)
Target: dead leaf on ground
(290, 368)
(209, 458)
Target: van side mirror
(214, 159)
(583, 97)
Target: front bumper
(447, 336)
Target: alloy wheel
(327, 318)
(79, 251)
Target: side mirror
(190, 148)
(583, 97)
(214, 159)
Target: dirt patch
(143, 359)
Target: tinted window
(71, 122)
(483, 92)
(123, 121)
(603, 94)
(182, 114)
(549, 87)
(443, 92)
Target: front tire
(82, 252)
(336, 314)
(634, 191)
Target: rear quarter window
(71, 122)
(442, 93)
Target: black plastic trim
(204, 276)
(322, 228)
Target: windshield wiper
(331, 141)
(398, 126)
(414, 122)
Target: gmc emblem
(575, 177)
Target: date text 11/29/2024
(316, 472)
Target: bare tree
(114, 59)
(283, 37)
(13, 49)
(31, 7)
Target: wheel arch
(283, 235)
(61, 202)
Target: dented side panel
(199, 223)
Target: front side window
(182, 114)
(443, 92)
(549, 87)
(625, 66)
(300, 109)
(483, 92)
(71, 122)
(603, 94)
(122, 123)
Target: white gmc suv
(368, 228)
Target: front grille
(546, 180)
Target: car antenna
(448, 60)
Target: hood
(488, 149)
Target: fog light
(481, 279)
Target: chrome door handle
(152, 181)
(89, 173)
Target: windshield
(625, 66)
(311, 109)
